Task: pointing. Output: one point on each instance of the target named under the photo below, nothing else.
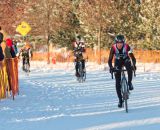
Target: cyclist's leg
(118, 84)
(128, 66)
(76, 67)
(28, 64)
(83, 64)
(23, 62)
(118, 65)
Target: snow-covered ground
(51, 99)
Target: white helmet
(81, 41)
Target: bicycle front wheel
(84, 74)
(26, 67)
(126, 105)
(80, 78)
(125, 93)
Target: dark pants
(24, 61)
(83, 65)
(119, 64)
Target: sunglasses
(119, 42)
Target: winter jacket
(9, 51)
(1, 51)
(1, 37)
(1, 54)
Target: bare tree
(11, 12)
(47, 17)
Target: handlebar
(117, 70)
(121, 70)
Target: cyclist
(79, 50)
(26, 53)
(123, 55)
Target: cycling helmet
(119, 38)
(81, 40)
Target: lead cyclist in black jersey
(123, 56)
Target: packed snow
(52, 99)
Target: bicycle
(26, 66)
(124, 87)
(82, 72)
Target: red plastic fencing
(143, 56)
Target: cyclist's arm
(83, 47)
(83, 50)
(111, 57)
(74, 55)
(19, 54)
(133, 58)
(30, 53)
(132, 55)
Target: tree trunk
(99, 45)
(99, 33)
(48, 52)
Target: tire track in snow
(99, 90)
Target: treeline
(98, 21)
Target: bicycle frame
(124, 87)
(26, 65)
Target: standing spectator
(9, 50)
(1, 40)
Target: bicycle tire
(126, 106)
(80, 72)
(125, 93)
(84, 75)
(26, 67)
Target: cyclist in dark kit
(26, 53)
(123, 55)
(79, 50)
